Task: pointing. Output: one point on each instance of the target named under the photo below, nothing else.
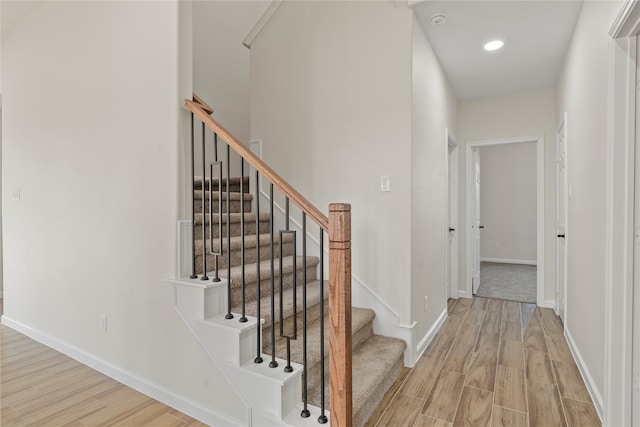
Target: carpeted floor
(513, 282)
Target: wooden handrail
(203, 104)
(306, 206)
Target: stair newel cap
(340, 225)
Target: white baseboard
(596, 397)
(143, 385)
(509, 261)
(426, 340)
(462, 293)
(550, 303)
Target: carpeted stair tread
(265, 269)
(360, 318)
(250, 242)
(313, 299)
(235, 218)
(234, 183)
(371, 363)
(234, 225)
(375, 366)
(197, 195)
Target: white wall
(221, 62)
(91, 121)
(529, 112)
(434, 108)
(508, 202)
(582, 93)
(331, 100)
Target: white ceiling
(537, 35)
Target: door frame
(540, 244)
(566, 225)
(621, 216)
(452, 191)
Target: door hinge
(636, 381)
(637, 236)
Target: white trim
(128, 378)
(586, 374)
(620, 203)
(431, 333)
(549, 303)
(463, 294)
(509, 261)
(627, 22)
(452, 208)
(266, 16)
(387, 320)
(565, 280)
(539, 140)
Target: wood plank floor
(42, 387)
(493, 363)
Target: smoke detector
(438, 19)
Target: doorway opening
(501, 244)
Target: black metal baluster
(193, 206)
(216, 276)
(217, 253)
(204, 215)
(228, 216)
(305, 411)
(244, 317)
(294, 335)
(322, 419)
(273, 363)
(258, 358)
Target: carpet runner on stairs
(377, 360)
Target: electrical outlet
(498, 246)
(103, 323)
(425, 303)
(385, 183)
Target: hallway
(493, 363)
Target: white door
(561, 226)
(475, 223)
(452, 216)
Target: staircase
(377, 360)
(277, 297)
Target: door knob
(452, 229)
(482, 226)
(561, 235)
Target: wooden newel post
(340, 384)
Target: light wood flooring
(493, 363)
(42, 387)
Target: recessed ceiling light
(493, 44)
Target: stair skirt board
(143, 385)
